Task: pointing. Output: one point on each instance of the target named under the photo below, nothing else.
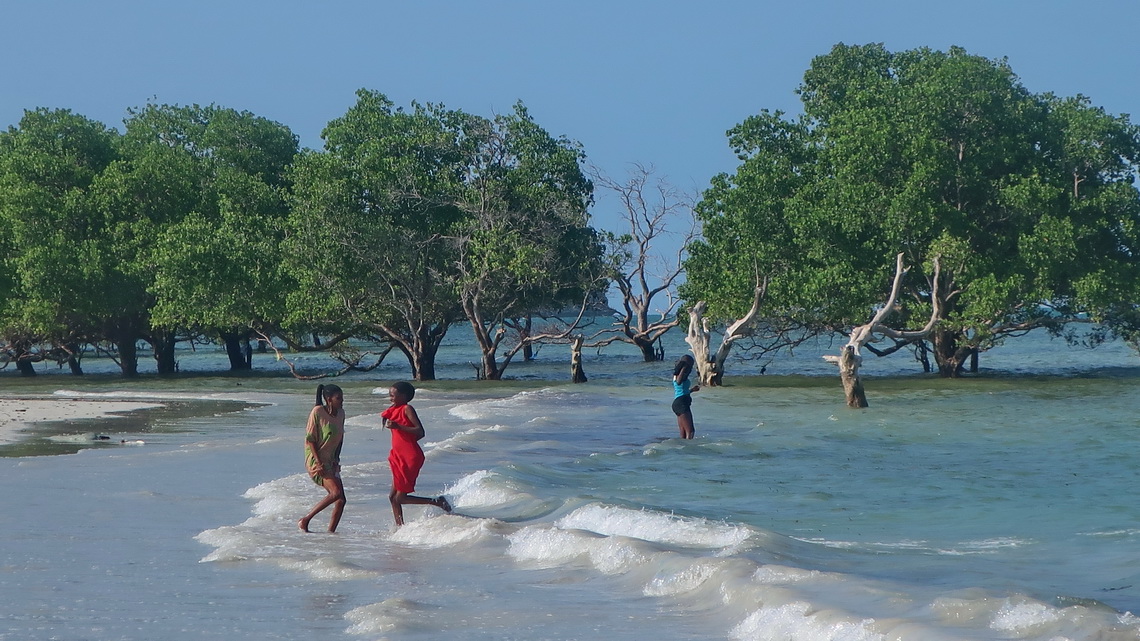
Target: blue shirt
(680, 388)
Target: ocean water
(996, 507)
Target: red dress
(406, 457)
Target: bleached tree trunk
(850, 359)
(698, 340)
(577, 374)
(711, 367)
(849, 362)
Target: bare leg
(400, 499)
(335, 496)
(338, 505)
(685, 425)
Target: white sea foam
(985, 546)
(442, 531)
(327, 569)
(481, 489)
(388, 616)
(1024, 617)
(801, 621)
(493, 407)
(278, 498)
(964, 548)
(655, 526)
(551, 547)
(245, 397)
(475, 410)
(781, 575)
(273, 439)
(686, 580)
(1122, 532)
(457, 442)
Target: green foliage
(205, 220)
(367, 233)
(525, 245)
(53, 263)
(1027, 199)
(141, 235)
(201, 204)
(410, 218)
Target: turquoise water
(998, 507)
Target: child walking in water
(682, 401)
(324, 436)
(406, 457)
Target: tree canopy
(150, 235)
(206, 222)
(411, 220)
(1027, 198)
(53, 238)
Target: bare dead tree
(710, 366)
(558, 331)
(651, 206)
(338, 348)
(850, 358)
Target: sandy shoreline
(17, 415)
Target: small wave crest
(491, 407)
(388, 616)
(551, 547)
(1023, 617)
(657, 527)
(261, 399)
(964, 548)
(442, 532)
(485, 493)
(801, 621)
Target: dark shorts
(681, 404)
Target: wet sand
(17, 415)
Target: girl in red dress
(406, 457)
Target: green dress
(328, 435)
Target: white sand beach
(18, 414)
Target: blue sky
(654, 82)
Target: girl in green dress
(324, 436)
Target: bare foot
(303, 524)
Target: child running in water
(406, 457)
(682, 401)
(324, 436)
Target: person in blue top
(682, 401)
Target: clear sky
(655, 82)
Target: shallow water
(996, 507)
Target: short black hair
(684, 364)
(405, 388)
